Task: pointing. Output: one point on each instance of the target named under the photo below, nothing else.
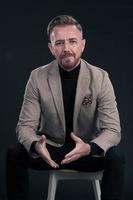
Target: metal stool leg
(97, 189)
(53, 181)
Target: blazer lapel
(81, 91)
(56, 89)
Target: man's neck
(70, 68)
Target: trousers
(18, 163)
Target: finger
(47, 158)
(71, 159)
(53, 164)
(42, 139)
(71, 153)
(45, 154)
(75, 138)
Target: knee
(15, 152)
(115, 157)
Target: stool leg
(52, 186)
(97, 189)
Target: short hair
(61, 20)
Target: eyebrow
(60, 40)
(73, 39)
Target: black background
(108, 29)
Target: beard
(69, 61)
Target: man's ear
(83, 44)
(51, 48)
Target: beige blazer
(95, 117)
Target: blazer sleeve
(108, 121)
(30, 114)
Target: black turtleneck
(69, 84)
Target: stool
(65, 174)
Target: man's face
(67, 45)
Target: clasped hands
(81, 149)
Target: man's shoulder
(96, 73)
(45, 68)
(93, 68)
(43, 71)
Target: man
(69, 117)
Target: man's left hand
(81, 149)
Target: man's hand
(81, 149)
(40, 147)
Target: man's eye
(73, 41)
(59, 43)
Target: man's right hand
(41, 149)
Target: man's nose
(66, 46)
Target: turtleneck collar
(69, 74)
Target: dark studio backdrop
(108, 29)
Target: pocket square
(88, 99)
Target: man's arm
(108, 121)
(29, 122)
(30, 114)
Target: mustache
(67, 54)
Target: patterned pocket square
(87, 100)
